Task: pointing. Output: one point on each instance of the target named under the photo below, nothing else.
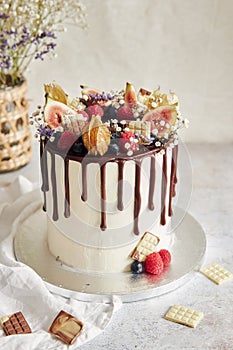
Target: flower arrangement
(28, 30)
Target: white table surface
(140, 325)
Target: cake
(109, 174)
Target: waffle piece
(15, 324)
(183, 315)
(66, 327)
(216, 273)
(145, 246)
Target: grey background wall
(183, 45)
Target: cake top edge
(99, 122)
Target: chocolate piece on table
(15, 324)
(183, 315)
(66, 327)
(216, 273)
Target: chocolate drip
(173, 180)
(164, 190)
(44, 172)
(175, 159)
(137, 195)
(103, 224)
(120, 205)
(84, 180)
(54, 187)
(152, 183)
(67, 189)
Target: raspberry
(125, 113)
(165, 256)
(66, 140)
(154, 264)
(95, 110)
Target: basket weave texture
(15, 134)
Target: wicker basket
(15, 134)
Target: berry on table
(137, 267)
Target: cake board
(30, 248)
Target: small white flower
(123, 122)
(127, 145)
(154, 104)
(51, 139)
(130, 153)
(122, 102)
(157, 143)
(127, 129)
(114, 121)
(118, 128)
(155, 132)
(162, 122)
(168, 125)
(162, 152)
(131, 139)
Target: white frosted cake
(109, 172)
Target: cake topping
(151, 116)
(96, 136)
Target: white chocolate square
(145, 246)
(183, 315)
(216, 273)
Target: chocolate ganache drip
(84, 161)
(164, 189)
(137, 195)
(44, 172)
(173, 179)
(67, 188)
(54, 187)
(120, 204)
(103, 224)
(152, 182)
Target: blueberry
(115, 135)
(113, 148)
(79, 149)
(137, 267)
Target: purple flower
(3, 16)
(44, 131)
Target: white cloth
(21, 289)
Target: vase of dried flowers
(28, 30)
(15, 136)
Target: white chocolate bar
(183, 315)
(216, 273)
(145, 246)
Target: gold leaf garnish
(55, 92)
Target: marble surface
(141, 325)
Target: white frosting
(78, 240)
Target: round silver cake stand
(30, 247)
